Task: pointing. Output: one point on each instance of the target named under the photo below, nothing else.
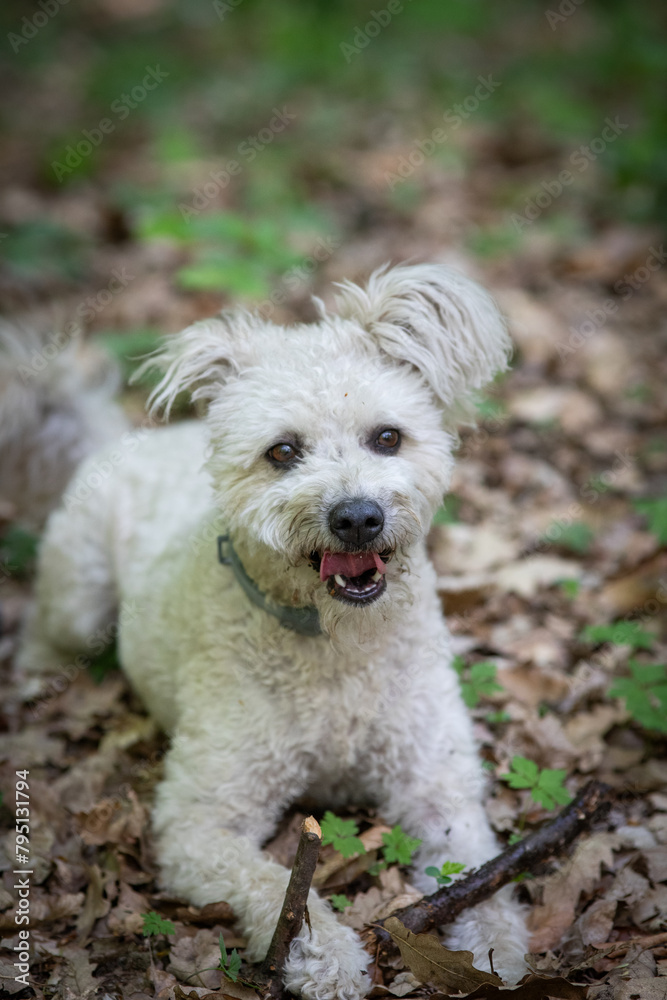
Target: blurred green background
(560, 71)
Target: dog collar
(306, 620)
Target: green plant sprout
(577, 536)
(655, 512)
(398, 846)
(570, 587)
(230, 965)
(155, 924)
(339, 901)
(546, 785)
(342, 833)
(443, 875)
(449, 512)
(477, 681)
(621, 633)
(645, 694)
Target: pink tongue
(349, 564)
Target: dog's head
(332, 442)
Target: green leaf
(449, 512)
(549, 789)
(576, 536)
(546, 786)
(378, 867)
(443, 874)
(234, 966)
(523, 774)
(477, 682)
(342, 833)
(155, 924)
(459, 665)
(340, 902)
(645, 694)
(18, 551)
(570, 587)
(621, 633)
(655, 512)
(398, 846)
(497, 718)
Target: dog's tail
(56, 407)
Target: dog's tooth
(340, 580)
(377, 575)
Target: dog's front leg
(219, 801)
(443, 807)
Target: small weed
(443, 875)
(645, 694)
(398, 846)
(621, 633)
(577, 536)
(155, 924)
(655, 512)
(340, 902)
(477, 681)
(546, 785)
(342, 833)
(570, 588)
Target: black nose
(356, 521)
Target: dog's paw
(327, 963)
(498, 923)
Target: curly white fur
(368, 711)
(56, 407)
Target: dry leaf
(531, 987)
(77, 981)
(549, 922)
(596, 923)
(432, 963)
(127, 915)
(195, 960)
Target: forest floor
(550, 553)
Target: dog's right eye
(282, 454)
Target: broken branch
(553, 838)
(295, 902)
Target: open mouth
(352, 577)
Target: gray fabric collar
(306, 620)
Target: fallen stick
(294, 904)
(553, 838)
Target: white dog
(285, 626)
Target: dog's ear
(435, 319)
(199, 360)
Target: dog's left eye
(282, 454)
(387, 440)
